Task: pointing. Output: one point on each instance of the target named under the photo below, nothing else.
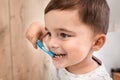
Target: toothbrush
(40, 45)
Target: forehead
(62, 17)
(66, 19)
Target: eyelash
(60, 35)
(64, 35)
(48, 33)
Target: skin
(68, 35)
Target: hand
(34, 32)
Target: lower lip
(58, 58)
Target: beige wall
(18, 59)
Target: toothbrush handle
(39, 43)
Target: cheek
(77, 50)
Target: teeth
(59, 55)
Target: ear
(99, 41)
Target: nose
(52, 44)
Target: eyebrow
(61, 29)
(64, 30)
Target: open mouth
(59, 55)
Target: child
(74, 30)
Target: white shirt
(99, 73)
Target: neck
(83, 67)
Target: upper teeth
(60, 54)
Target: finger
(35, 46)
(30, 37)
(34, 40)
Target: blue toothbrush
(39, 43)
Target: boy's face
(69, 38)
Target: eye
(48, 33)
(64, 35)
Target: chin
(59, 65)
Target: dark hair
(92, 12)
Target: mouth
(59, 56)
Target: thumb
(33, 41)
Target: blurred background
(20, 61)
